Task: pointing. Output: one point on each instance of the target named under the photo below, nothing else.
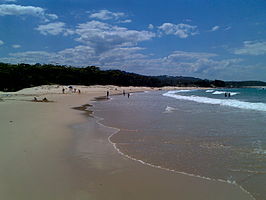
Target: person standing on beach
(128, 95)
(63, 90)
(107, 94)
(124, 93)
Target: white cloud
(102, 36)
(227, 28)
(254, 48)
(78, 56)
(114, 46)
(121, 56)
(194, 63)
(199, 64)
(125, 21)
(8, 1)
(107, 15)
(215, 28)
(188, 20)
(55, 28)
(150, 27)
(52, 16)
(180, 30)
(178, 55)
(13, 9)
(1, 42)
(98, 35)
(16, 46)
(31, 57)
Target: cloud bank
(13, 9)
(180, 30)
(253, 48)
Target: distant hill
(245, 83)
(177, 80)
(14, 77)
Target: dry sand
(49, 151)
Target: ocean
(204, 133)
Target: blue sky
(210, 39)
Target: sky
(212, 39)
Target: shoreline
(71, 157)
(101, 122)
(172, 170)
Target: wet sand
(51, 151)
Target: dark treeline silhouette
(245, 83)
(14, 77)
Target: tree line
(14, 77)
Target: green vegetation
(14, 77)
(244, 83)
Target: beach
(51, 151)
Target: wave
(259, 151)
(178, 91)
(209, 91)
(219, 92)
(222, 102)
(223, 92)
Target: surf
(222, 102)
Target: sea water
(198, 132)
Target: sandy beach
(48, 150)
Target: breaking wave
(223, 102)
(224, 92)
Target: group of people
(227, 94)
(43, 100)
(124, 93)
(71, 89)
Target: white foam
(233, 93)
(259, 150)
(223, 102)
(223, 92)
(179, 91)
(209, 91)
(219, 92)
(169, 109)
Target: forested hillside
(14, 77)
